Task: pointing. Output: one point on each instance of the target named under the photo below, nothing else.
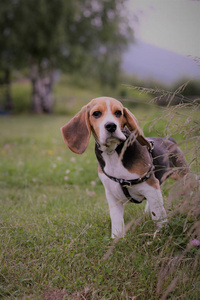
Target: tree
(84, 35)
(42, 35)
(97, 36)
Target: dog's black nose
(110, 127)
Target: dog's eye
(118, 113)
(97, 114)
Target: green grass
(55, 225)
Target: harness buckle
(126, 183)
(152, 146)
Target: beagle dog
(131, 166)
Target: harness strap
(124, 183)
(129, 183)
(128, 196)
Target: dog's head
(106, 118)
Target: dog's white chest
(115, 168)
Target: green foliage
(10, 45)
(95, 39)
(42, 34)
(55, 225)
(73, 35)
(78, 36)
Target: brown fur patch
(153, 181)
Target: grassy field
(55, 225)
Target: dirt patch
(55, 294)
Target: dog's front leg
(117, 216)
(155, 204)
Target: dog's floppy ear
(132, 124)
(76, 133)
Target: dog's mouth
(113, 140)
(110, 140)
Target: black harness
(125, 183)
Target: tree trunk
(42, 90)
(8, 98)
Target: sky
(173, 25)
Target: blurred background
(56, 55)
